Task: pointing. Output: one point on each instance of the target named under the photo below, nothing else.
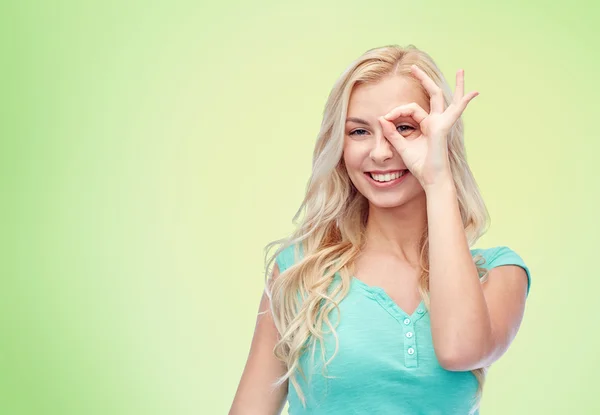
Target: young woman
(376, 303)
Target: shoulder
(289, 256)
(502, 255)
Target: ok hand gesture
(427, 155)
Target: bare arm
(255, 395)
(472, 324)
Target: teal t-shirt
(385, 363)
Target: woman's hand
(427, 155)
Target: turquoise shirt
(385, 363)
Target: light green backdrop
(149, 150)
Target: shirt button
(409, 334)
(406, 321)
(420, 311)
(411, 350)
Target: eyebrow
(357, 120)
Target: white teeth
(386, 177)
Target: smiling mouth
(387, 177)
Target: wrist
(444, 183)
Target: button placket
(407, 322)
(410, 348)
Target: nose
(382, 149)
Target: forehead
(376, 99)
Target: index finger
(412, 110)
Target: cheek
(354, 161)
(354, 157)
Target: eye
(402, 128)
(355, 132)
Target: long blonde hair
(332, 230)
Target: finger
(390, 132)
(460, 86)
(436, 95)
(413, 110)
(457, 109)
(470, 96)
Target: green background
(150, 149)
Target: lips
(386, 176)
(392, 181)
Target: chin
(395, 199)
(386, 202)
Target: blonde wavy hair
(332, 230)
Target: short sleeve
(503, 255)
(288, 257)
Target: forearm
(460, 322)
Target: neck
(397, 231)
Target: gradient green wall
(149, 150)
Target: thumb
(390, 132)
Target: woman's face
(368, 152)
